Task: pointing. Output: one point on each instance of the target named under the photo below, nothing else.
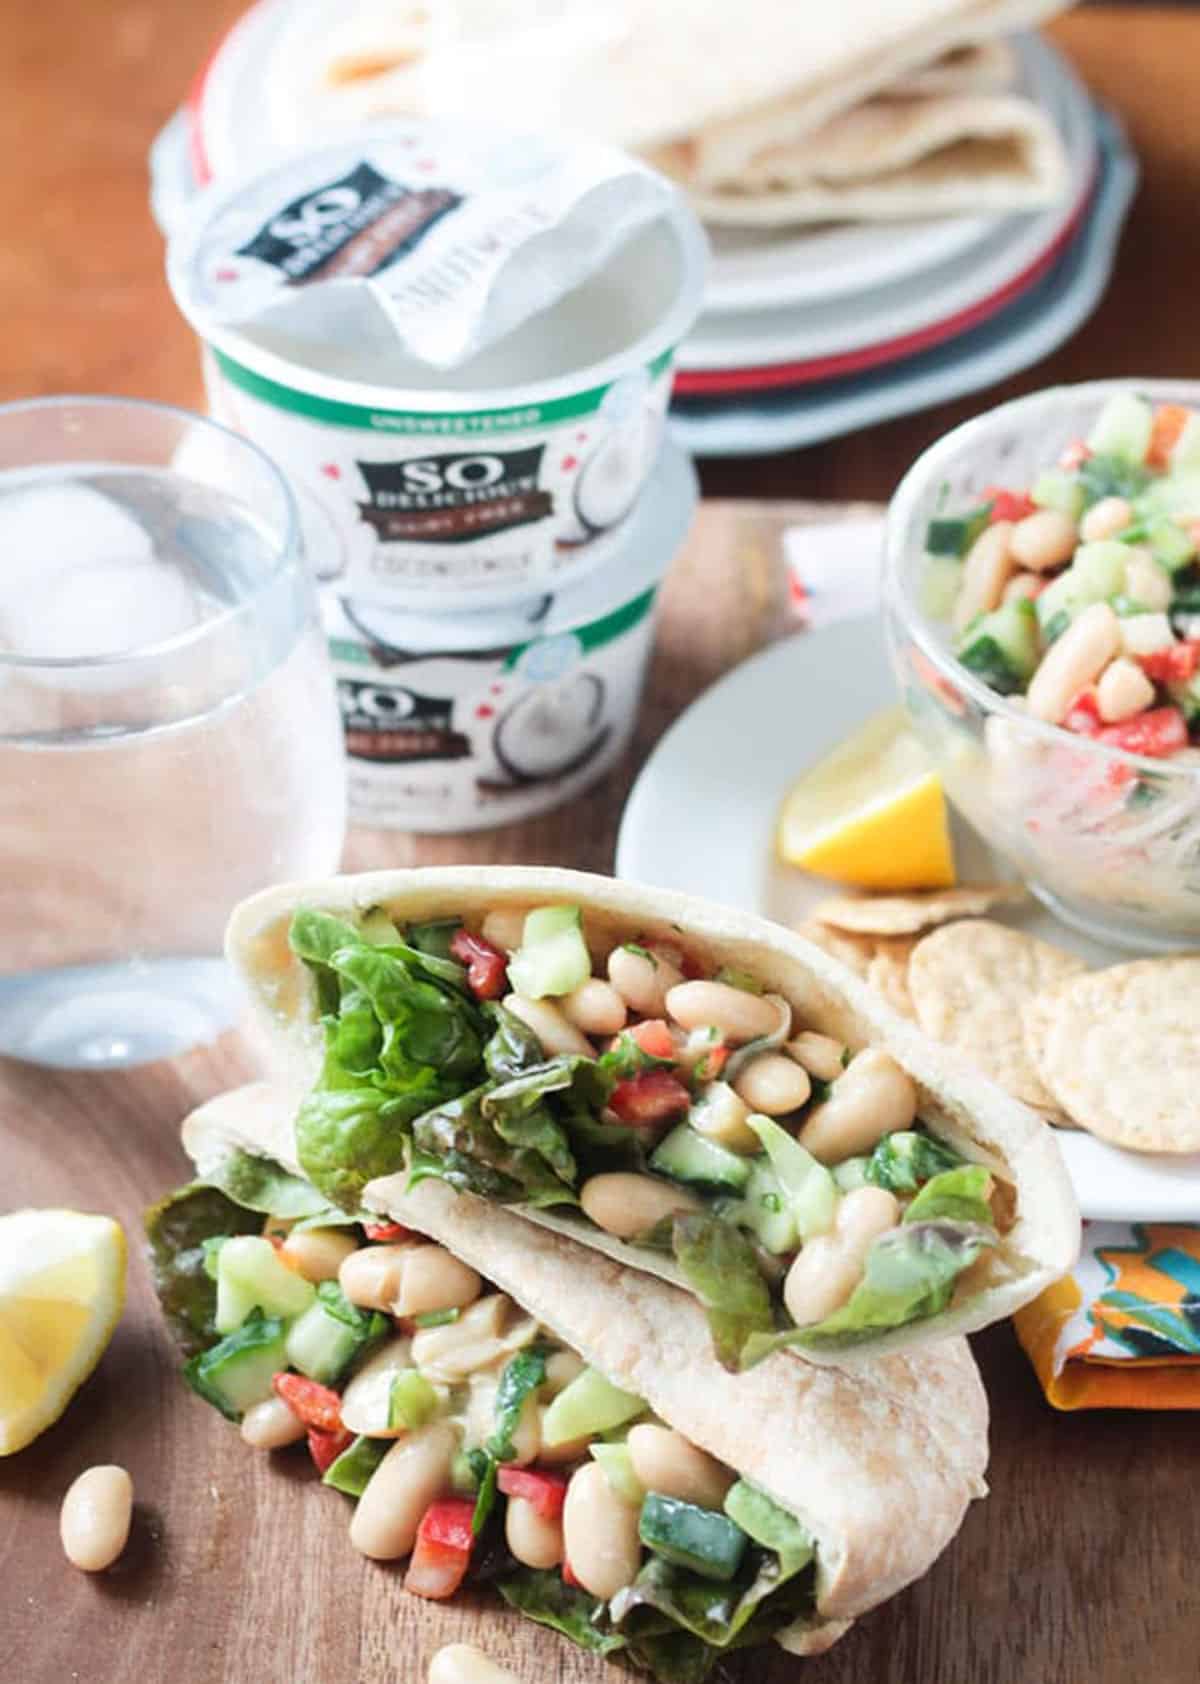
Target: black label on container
(391, 723)
(456, 496)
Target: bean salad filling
(1080, 594)
(652, 1098)
(471, 1440)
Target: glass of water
(169, 732)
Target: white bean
(1042, 540)
(1122, 690)
(721, 1114)
(561, 1368)
(370, 1276)
(666, 1462)
(415, 1471)
(1022, 585)
(600, 1534)
(986, 571)
(871, 1097)
(463, 1663)
(773, 1085)
(367, 1400)
(270, 1425)
(829, 1267)
(504, 927)
(1071, 663)
(557, 1455)
(318, 1253)
(483, 1335)
(820, 1055)
(534, 1540)
(595, 1007)
(556, 1033)
(1147, 581)
(629, 1205)
(1105, 519)
(642, 979)
(432, 1278)
(95, 1518)
(737, 1014)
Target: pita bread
(956, 1102)
(853, 1458)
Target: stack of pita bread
(770, 113)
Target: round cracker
(968, 983)
(1119, 1050)
(896, 915)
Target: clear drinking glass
(169, 732)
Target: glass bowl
(1109, 841)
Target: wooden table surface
(1080, 1567)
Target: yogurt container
(426, 489)
(468, 721)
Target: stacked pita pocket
(768, 113)
(967, 1114)
(855, 1459)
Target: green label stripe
(412, 422)
(598, 632)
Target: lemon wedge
(62, 1289)
(872, 813)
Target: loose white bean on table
(95, 1518)
(463, 1663)
(432, 1278)
(666, 1462)
(773, 1085)
(1044, 539)
(627, 1205)
(504, 927)
(271, 1425)
(872, 1097)
(595, 1007)
(600, 1533)
(734, 1012)
(1073, 661)
(820, 1055)
(557, 1033)
(317, 1253)
(642, 981)
(986, 571)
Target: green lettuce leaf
(347, 1133)
(512, 1046)
(957, 1195)
(457, 1140)
(903, 1160)
(177, 1229)
(261, 1184)
(522, 1375)
(910, 1274)
(718, 1263)
(542, 1595)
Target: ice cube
(101, 608)
(51, 525)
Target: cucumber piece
(953, 535)
(1099, 569)
(1176, 494)
(1003, 646)
(588, 1406)
(332, 1335)
(735, 978)
(706, 1543)
(765, 1209)
(811, 1189)
(553, 956)
(237, 1373)
(1185, 693)
(941, 581)
(1112, 476)
(1185, 452)
(351, 1471)
(699, 1162)
(1054, 489)
(618, 1470)
(464, 1472)
(378, 929)
(434, 937)
(1123, 428)
(1169, 544)
(763, 1520)
(250, 1273)
(412, 1402)
(850, 1174)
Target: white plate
(1020, 335)
(702, 815)
(890, 300)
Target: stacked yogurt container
(488, 538)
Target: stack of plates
(812, 333)
(806, 333)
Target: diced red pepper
(1074, 456)
(325, 1448)
(1169, 421)
(1083, 715)
(315, 1405)
(1173, 665)
(442, 1552)
(487, 968)
(1157, 732)
(1008, 505)
(649, 1098)
(654, 1038)
(387, 1231)
(544, 1492)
